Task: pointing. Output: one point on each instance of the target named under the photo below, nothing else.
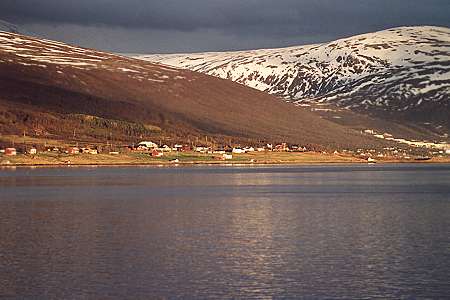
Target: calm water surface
(225, 232)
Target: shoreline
(194, 159)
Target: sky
(170, 26)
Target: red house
(156, 153)
(73, 150)
(10, 151)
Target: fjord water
(360, 231)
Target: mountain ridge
(401, 72)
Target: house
(220, 150)
(73, 150)
(202, 149)
(226, 156)
(145, 145)
(156, 153)
(297, 148)
(177, 147)
(33, 151)
(282, 147)
(10, 151)
(165, 148)
(238, 150)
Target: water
(379, 231)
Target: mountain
(9, 27)
(401, 74)
(51, 90)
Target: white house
(227, 156)
(202, 149)
(238, 150)
(177, 147)
(165, 148)
(148, 145)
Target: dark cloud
(241, 21)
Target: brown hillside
(54, 90)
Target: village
(148, 152)
(151, 149)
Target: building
(10, 151)
(156, 153)
(226, 156)
(282, 147)
(165, 148)
(238, 150)
(33, 151)
(177, 147)
(145, 145)
(202, 149)
(73, 150)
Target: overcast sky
(166, 26)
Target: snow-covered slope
(398, 70)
